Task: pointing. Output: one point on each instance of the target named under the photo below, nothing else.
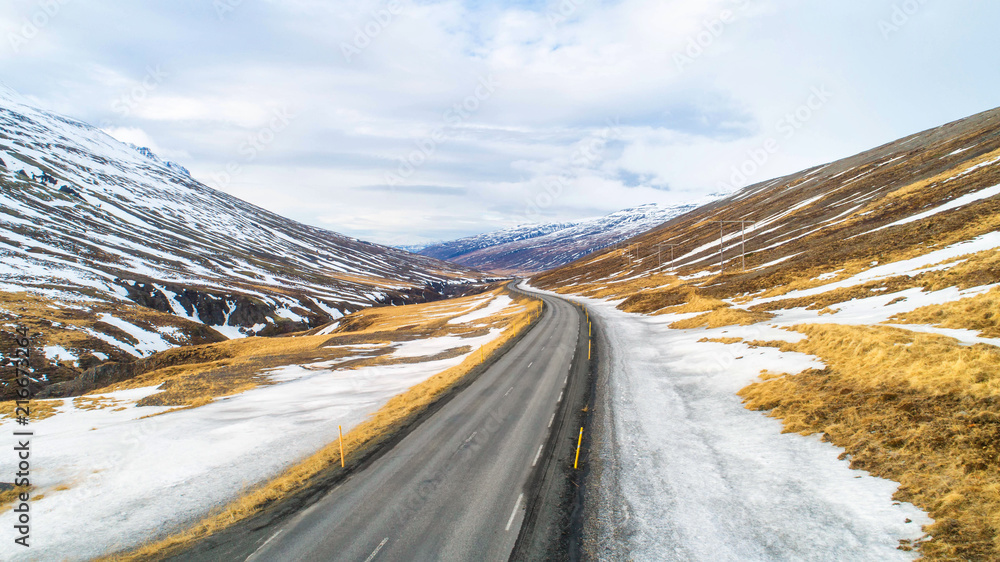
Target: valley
(803, 368)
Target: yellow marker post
(589, 346)
(578, 443)
(341, 430)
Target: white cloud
(682, 128)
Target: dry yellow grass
(430, 317)
(968, 271)
(73, 325)
(981, 313)
(9, 497)
(395, 414)
(670, 300)
(614, 289)
(721, 340)
(95, 402)
(722, 317)
(879, 356)
(919, 409)
(63, 323)
(38, 409)
(918, 189)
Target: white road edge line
(512, 514)
(560, 398)
(538, 454)
(470, 437)
(377, 548)
(508, 391)
(530, 364)
(566, 380)
(265, 544)
(552, 419)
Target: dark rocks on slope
(210, 308)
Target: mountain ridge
(142, 257)
(537, 247)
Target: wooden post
(341, 430)
(579, 442)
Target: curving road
(456, 487)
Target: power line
(660, 252)
(743, 243)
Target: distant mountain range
(538, 247)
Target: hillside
(534, 248)
(108, 252)
(261, 416)
(866, 313)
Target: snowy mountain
(533, 248)
(148, 153)
(105, 247)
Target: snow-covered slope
(95, 225)
(533, 248)
(865, 314)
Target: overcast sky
(406, 121)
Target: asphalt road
(456, 487)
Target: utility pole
(722, 249)
(660, 252)
(743, 243)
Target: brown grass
(95, 402)
(391, 417)
(9, 497)
(677, 299)
(38, 409)
(721, 340)
(981, 313)
(919, 409)
(722, 317)
(63, 323)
